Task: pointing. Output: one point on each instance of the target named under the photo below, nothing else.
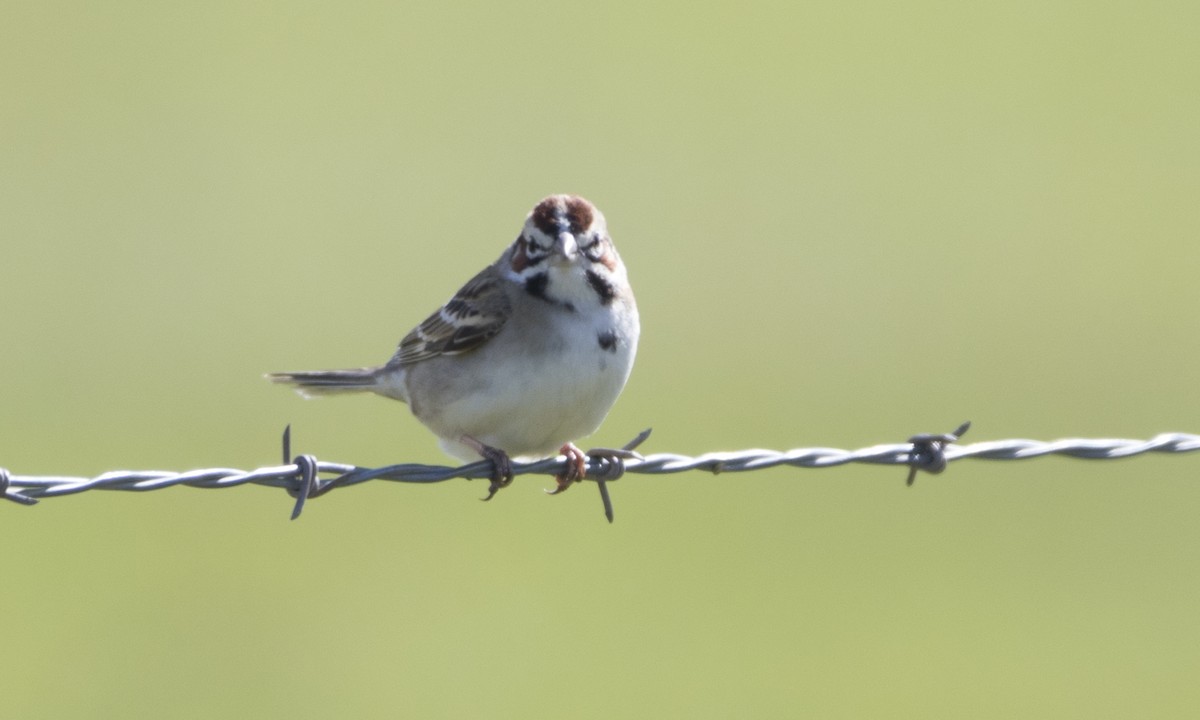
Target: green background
(845, 222)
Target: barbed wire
(301, 476)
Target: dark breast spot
(607, 340)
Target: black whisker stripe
(535, 285)
(602, 287)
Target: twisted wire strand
(27, 488)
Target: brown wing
(470, 318)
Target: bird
(527, 357)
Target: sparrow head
(564, 252)
(562, 230)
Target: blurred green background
(845, 222)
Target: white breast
(544, 380)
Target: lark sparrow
(529, 355)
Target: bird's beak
(565, 246)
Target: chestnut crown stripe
(556, 214)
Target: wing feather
(474, 315)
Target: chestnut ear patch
(520, 259)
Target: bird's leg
(502, 472)
(576, 468)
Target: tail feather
(324, 382)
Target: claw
(575, 471)
(502, 472)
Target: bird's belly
(527, 401)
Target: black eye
(595, 249)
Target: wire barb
(928, 451)
(307, 467)
(611, 466)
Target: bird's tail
(325, 382)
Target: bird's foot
(575, 471)
(502, 472)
